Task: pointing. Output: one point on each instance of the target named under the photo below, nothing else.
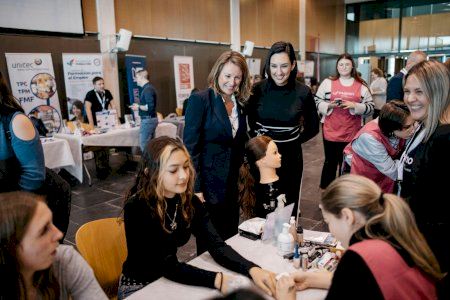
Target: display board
(33, 83)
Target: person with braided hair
(259, 184)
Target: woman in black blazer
(215, 135)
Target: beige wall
(261, 21)
(194, 19)
(381, 35)
(325, 26)
(267, 21)
(418, 31)
(89, 15)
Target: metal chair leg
(88, 174)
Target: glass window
(374, 27)
(426, 27)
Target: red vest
(397, 280)
(340, 125)
(365, 168)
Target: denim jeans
(147, 131)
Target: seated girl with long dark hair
(160, 212)
(33, 265)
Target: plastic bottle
(305, 262)
(296, 257)
(285, 240)
(293, 229)
(278, 219)
(65, 128)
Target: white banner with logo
(33, 84)
(306, 67)
(254, 66)
(79, 70)
(184, 77)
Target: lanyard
(413, 143)
(102, 100)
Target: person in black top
(185, 102)
(37, 122)
(259, 185)
(426, 158)
(97, 100)
(284, 109)
(387, 256)
(147, 108)
(160, 213)
(395, 85)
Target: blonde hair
(392, 213)
(244, 89)
(149, 181)
(434, 79)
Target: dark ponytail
(255, 149)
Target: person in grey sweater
(33, 265)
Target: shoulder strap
(6, 120)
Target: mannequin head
(262, 160)
(271, 159)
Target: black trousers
(291, 171)
(333, 159)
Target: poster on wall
(184, 77)
(79, 70)
(306, 67)
(33, 84)
(254, 66)
(133, 64)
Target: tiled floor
(105, 197)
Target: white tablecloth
(114, 138)
(265, 255)
(57, 153)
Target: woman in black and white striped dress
(283, 109)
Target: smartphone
(338, 102)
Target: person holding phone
(342, 100)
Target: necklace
(173, 223)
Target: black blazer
(216, 155)
(395, 87)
